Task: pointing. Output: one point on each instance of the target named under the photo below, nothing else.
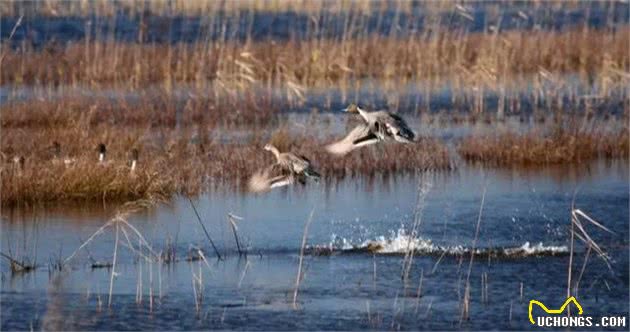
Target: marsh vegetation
(521, 111)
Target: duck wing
(396, 127)
(297, 163)
(360, 136)
(306, 168)
(273, 176)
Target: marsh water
(353, 263)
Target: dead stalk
(419, 292)
(113, 273)
(216, 251)
(298, 278)
(232, 221)
(424, 186)
(466, 304)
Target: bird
(57, 159)
(134, 159)
(288, 169)
(18, 162)
(270, 177)
(297, 164)
(378, 126)
(102, 152)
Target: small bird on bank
(134, 159)
(378, 126)
(288, 169)
(58, 159)
(102, 153)
(18, 163)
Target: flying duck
(378, 126)
(288, 169)
(297, 164)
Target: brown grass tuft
(537, 147)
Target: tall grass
(469, 59)
(562, 143)
(104, 8)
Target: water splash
(400, 243)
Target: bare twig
(424, 185)
(17, 24)
(98, 231)
(299, 273)
(577, 283)
(240, 281)
(232, 221)
(205, 230)
(465, 307)
(435, 266)
(113, 274)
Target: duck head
(102, 148)
(352, 108)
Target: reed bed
(170, 163)
(469, 59)
(151, 109)
(104, 8)
(541, 147)
(186, 161)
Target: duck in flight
(378, 126)
(288, 169)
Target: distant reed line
(104, 8)
(467, 59)
(185, 7)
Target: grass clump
(540, 147)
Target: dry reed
(170, 163)
(300, 275)
(465, 306)
(539, 147)
(106, 8)
(469, 59)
